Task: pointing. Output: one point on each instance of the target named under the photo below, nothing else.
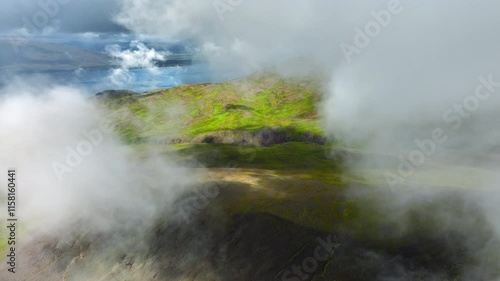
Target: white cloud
(397, 89)
(138, 56)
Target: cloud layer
(417, 59)
(416, 80)
(73, 166)
(65, 16)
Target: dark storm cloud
(65, 16)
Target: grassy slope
(301, 170)
(261, 100)
(300, 182)
(306, 172)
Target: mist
(415, 80)
(75, 174)
(414, 83)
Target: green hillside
(259, 140)
(281, 185)
(260, 101)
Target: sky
(60, 16)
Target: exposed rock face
(261, 137)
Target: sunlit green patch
(251, 103)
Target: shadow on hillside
(238, 107)
(289, 156)
(266, 136)
(260, 246)
(443, 237)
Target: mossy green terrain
(276, 198)
(252, 103)
(312, 176)
(296, 180)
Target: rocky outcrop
(261, 137)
